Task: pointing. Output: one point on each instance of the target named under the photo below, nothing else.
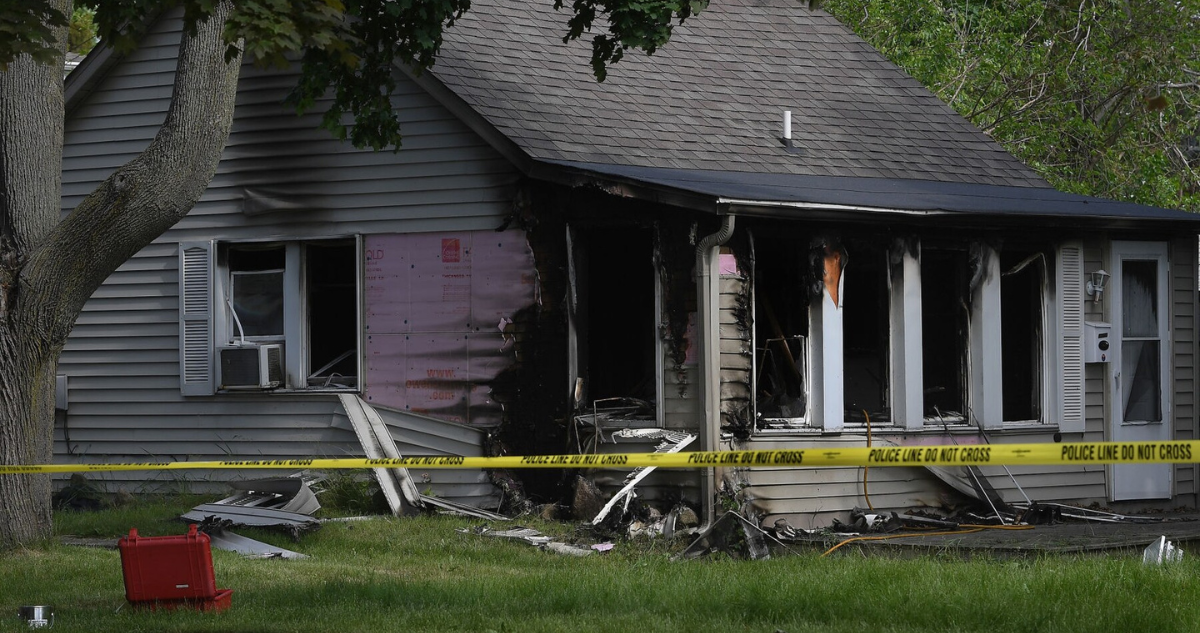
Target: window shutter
(195, 318)
(1070, 333)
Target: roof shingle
(714, 97)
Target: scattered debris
(681, 520)
(610, 412)
(533, 537)
(603, 547)
(784, 531)
(529, 535)
(289, 494)
(285, 502)
(1162, 551)
(453, 507)
(586, 503)
(735, 535)
(568, 550)
(252, 517)
(1041, 514)
(79, 494)
(548, 511)
(861, 521)
(248, 547)
(686, 517)
(971, 481)
(1099, 516)
(921, 521)
(672, 442)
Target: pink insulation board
(436, 307)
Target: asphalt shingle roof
(713, 98)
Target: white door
(1141, 386)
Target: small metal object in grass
(37, 616)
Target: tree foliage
(1100, 96)
(27, 28)
(82, 37)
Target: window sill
(953, 428)
(289, 392)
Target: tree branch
(143, 198)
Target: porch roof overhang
(835, 198)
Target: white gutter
(827, 207)
(708, 294)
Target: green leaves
(354, 60)
(1099, 96)
(277, 31)
(27, 28)
(637, 24)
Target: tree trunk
(31, 134)
(49, 269)
(26, 427)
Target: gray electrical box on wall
(1097, 342)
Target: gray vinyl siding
(813, 497)
(122, 360)
(1183, 268)
(1095, 402)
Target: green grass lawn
(420, 575)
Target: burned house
(549, 262)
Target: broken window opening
(1022, 331)
(781, 301)
(331, 281)
(944, 333)
(262, 289)
(865, 333)
(617, 303)
(256, 292)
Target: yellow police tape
(965, 455)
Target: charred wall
(584, 239)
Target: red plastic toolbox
(170, 570)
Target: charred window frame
(819, 363)
(616, 353)
(945, 334)
(781, 297)
(1025, 326)
(866, 332)
(985, 326)
(305, 296)
(918, 335)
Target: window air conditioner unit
(251, 367)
